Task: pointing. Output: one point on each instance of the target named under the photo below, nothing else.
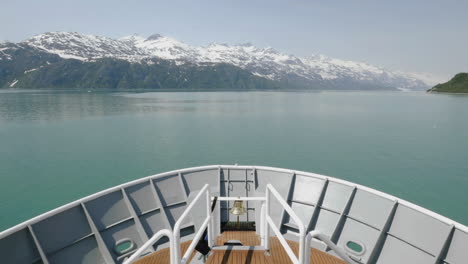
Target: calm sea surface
(56, 147)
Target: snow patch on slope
(13, 83)
(31, 70)
(4, 54)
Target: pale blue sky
(418, 36)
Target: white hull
(390, 230)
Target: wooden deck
(277, 253)
(162, 256)
(248, 238)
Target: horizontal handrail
(292, 214)
(208, 222)
(322, 237)
(251, 198)
(149, 243)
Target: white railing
(207, 223)
(325, 239)
(267, 223)
(174, 237)
(150, 243)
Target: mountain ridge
(314, 72)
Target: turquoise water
(56, 147)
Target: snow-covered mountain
(316, 71)
(72, 45)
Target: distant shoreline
(91, 90)
(436, 92)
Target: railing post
(302, 249)
(176, 245)
(262, 224)
(266, 229)
(209, 213)
(307, 252)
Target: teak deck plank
(248, 238)
(277, 252)
(163, 256)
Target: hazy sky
(417, 36)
